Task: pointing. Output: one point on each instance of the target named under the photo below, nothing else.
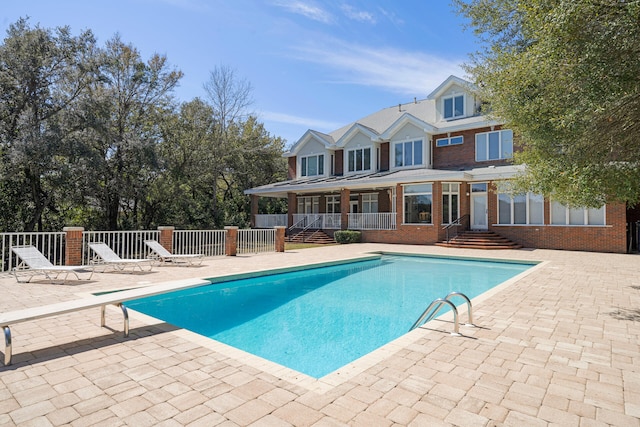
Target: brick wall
(291, 169)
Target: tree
(565, 76)
(42, 73)
(119, 122)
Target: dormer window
(408, 153)
(312, 165)
(453, 107)
(359, 159)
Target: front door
(479, 211)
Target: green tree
(42, 73)
(119, 123)
(565, 76)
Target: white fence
(271, 220)
(317, 220)
(50, 244)
(127, 244)
(205, 242)
(253, 241)
(372, 221)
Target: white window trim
(512, 212)
(500, 151)
(346, 159)
(332, 200)
(567, 213)
(300, 175)
(392, 154)
(404, 194)
(449, 139)
(453, 97)
(450, 193)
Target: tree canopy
(92, 135)
(565, 75)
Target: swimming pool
(317, 320)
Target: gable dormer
(311, 155)
(361, 150)
(454, 99)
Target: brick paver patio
(557, 346)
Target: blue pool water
(318, 320)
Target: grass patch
(295, 246)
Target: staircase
(480, 240)
(318, 237)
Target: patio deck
(558, 346)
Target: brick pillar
(345, 198)
(166, 236)
(280, 231)
(292, 207)
(73, 245)
(231, 241)
(254, 210)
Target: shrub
(347, 236)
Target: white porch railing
(50, 244)
(205, 242)
(271, 220)
(127, 244)
(372, 221)
(318, 220)
(253, 241)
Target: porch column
(73, 245)
(280, 238)
(292, 208)
(254, 210)
(345, 196)
(231, 240)
(166, 236)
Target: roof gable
(355, 130)
(447, 84)
(311, 135)
(402, 121)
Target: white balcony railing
(372, 221)
(271, 220)
(317, 220)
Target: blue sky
(312, 64)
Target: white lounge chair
(34, 263)
(159, 253)
(104, 255)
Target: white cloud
(300, 121)
(357, 15)
(393, 69)
(306, 9)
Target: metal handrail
(438, 303)
(455, 223)
(467, 300)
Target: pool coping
(350, 370)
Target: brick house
(422, 172)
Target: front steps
(317, 237)
(480, 240)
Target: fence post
(166, 236)
(73, 245)
(280, 238)
(231, 241)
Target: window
(520, 209)
(450, 202)
(370, 203)
(417, 204)
(494, 145)
(312, 165)
(563, 215)
(307, 205)
(454, 140)
(359, 159)
(408, 153)
(333, 204)
(453, 107)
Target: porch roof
(381, 180)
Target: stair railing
(462, 221)
(313, 224)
